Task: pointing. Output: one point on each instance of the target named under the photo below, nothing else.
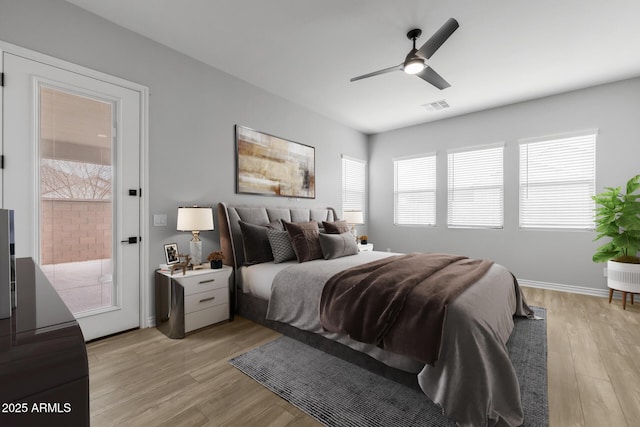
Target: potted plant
(364, 239)
(618, 218)
(215, 258)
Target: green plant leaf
(627, 243)
(633, 184)
(629, 223)
(608, 230)
(606, 252)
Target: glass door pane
(76, 179)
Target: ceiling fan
(414, 63)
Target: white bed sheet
(257, 279)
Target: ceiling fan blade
(436, 40)
(430, 76)
(375, 73)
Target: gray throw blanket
(399, 303)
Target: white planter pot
(623, 276)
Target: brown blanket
(398, 303)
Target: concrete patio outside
(82, 285)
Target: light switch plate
(159, 220)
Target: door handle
(130, 240)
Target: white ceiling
(306, 51)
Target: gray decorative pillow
(338, 245)
(280, 245)
(276, 224)
(255, 244)
(336, 227)
(304, 239)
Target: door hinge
(1, 161)
(2, 79)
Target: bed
(473, 379)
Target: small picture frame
(171, 253)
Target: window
(415, 190)
(476, 189)
(557, 180)
(353, 184)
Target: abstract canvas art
(273, 166)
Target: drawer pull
(207, 299)
(207, 281)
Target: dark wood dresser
(44, 373)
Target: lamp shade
(354, 217)
(195, 218)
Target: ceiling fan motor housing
(414, 34)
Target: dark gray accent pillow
(304, 239)
(338, 245)
(255, 244)
(280, 245)
(336, 227)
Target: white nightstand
(192, 301)
(365, 248)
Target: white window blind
(353, 185)
(415, 190)
(476, 188)
(557, 180)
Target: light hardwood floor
(142, 378)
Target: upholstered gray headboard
(231, 236)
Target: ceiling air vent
(436, 106)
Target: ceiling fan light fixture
(415, 61)
(414, 66)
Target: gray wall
(194, 107)
(557, 257)
(192, 112)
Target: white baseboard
(151, 322)
(567, 288)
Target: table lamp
(195, 219)
(353, 218)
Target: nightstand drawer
(204, 300)
(202, 283)
(202, 318)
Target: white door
(71, 173)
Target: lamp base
(195, 250)
(354, 231)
